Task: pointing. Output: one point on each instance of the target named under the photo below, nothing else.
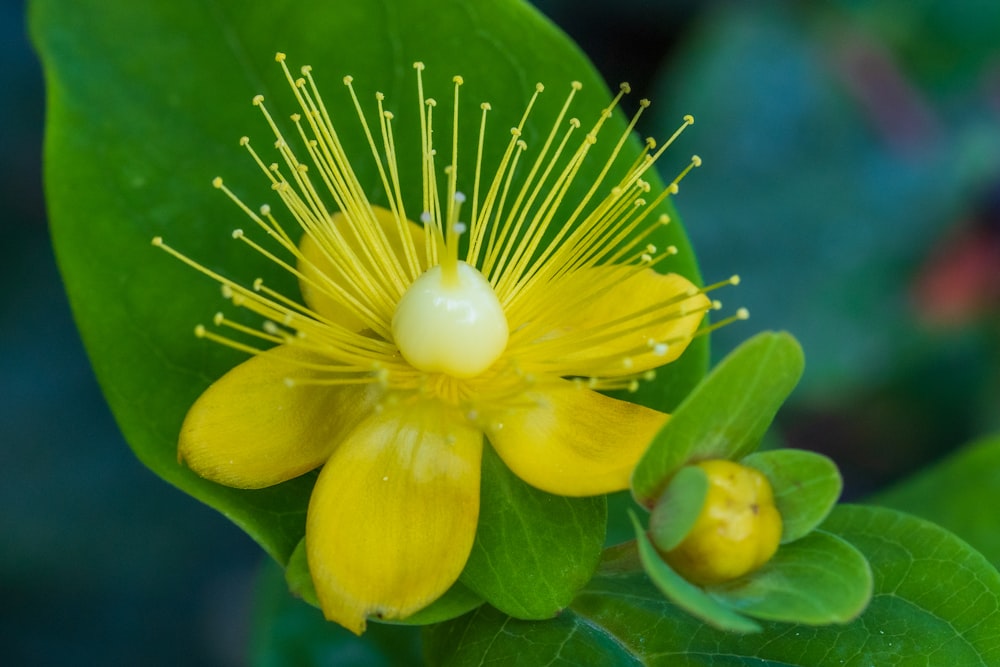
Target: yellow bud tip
(279, 57)
(217, 182)
(742, 314)
(695, 160)
(689, 119)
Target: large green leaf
(533, 550)
(960, 493)
(727, 414)
(936, 601)
(146, 104)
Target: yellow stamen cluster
(405, 307)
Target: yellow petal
(251, 430)
(393, 515)
(573, 441)
(319, 270)
(613, 321)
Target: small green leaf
(456, 601)
(533, 550)
(935, 602)
(686, 595)
(678, 507)
(726, 415)
(819, 579)
(806, 486)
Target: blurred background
(851, 178)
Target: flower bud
(737, 531)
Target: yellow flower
(416, 340)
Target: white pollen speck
(460, 227)
(425, 217)
(385, 479)
(660, 349)
(459, 197)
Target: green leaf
(806, 486)
(936, 601)
(533, 550)
(818, 579)
(726, 415)
(959, 493)
(692, 599)
(147, 102)
(678, 507)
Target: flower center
(450, 321)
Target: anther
(485, 106)
(218, 319)
(576, 85)
(265, 210)
(644, 103)
(244, 141)
(689, 119)
(237, 233)
(279, 57)
(734, 280)
(348, 80)
(217, 182)
(431, 102)
(305, 69)
(539, 87)
(742, 314)
(419, 66)
(157, 241)
(458, 79)
(257, 284)
(199, 331)
(695, 160)
(258, 100)
(625, 87)
(664, 219)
